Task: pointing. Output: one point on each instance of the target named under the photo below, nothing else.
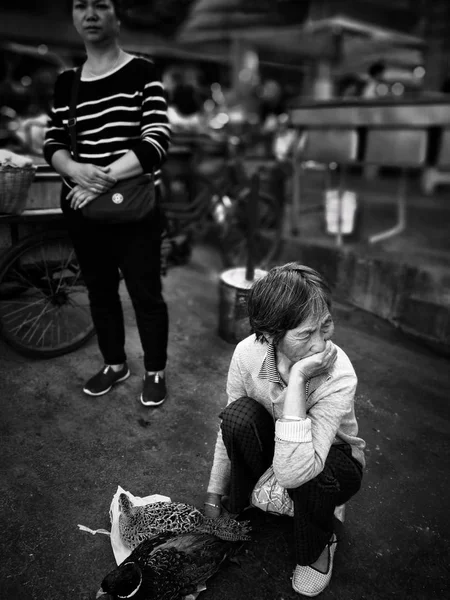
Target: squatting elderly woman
(122, 132)
(291, 404)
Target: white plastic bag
(118, 547)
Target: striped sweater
(123, 110)
(301, 447)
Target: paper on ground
(118, 547)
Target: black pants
(134, 248)
(248, 434)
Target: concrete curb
(414, 298)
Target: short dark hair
(285, 298)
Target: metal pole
(341, 191)
(252, 222)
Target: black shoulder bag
(129, 199)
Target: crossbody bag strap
(72, 123)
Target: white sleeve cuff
(293, 431)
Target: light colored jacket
(301, 447)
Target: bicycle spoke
(27, 305)
(35, 325)
(55, 326)
(44, 262)
(69, 259)
(53, 322)
(37, 264)
(27, 281)
(66, 322)
(61, 270)
(77, 277)
(76, 304)
(31, 320)
(58, 329)
(42, 336)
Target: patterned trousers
(248, 432)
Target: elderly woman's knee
(242, 414)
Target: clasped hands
(91, 181)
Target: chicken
(136, 523)
(168, 566)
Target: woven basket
(14, 185)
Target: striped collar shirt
(269, 368)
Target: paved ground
(64, 454)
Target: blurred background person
(185, 107)
(376, 74)
(272, 104)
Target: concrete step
(427, 319)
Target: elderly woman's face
(308, 338)
(95, 20)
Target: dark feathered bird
(137, 523)
(168, 567)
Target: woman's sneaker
(154, 391)
(105, 379)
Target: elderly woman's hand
(213, 505)
(316, 364)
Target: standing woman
(122, 132)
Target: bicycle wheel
(267, 240)
(44, 307)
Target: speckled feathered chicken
(137, 523)
(168, 567)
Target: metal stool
(402, 148)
